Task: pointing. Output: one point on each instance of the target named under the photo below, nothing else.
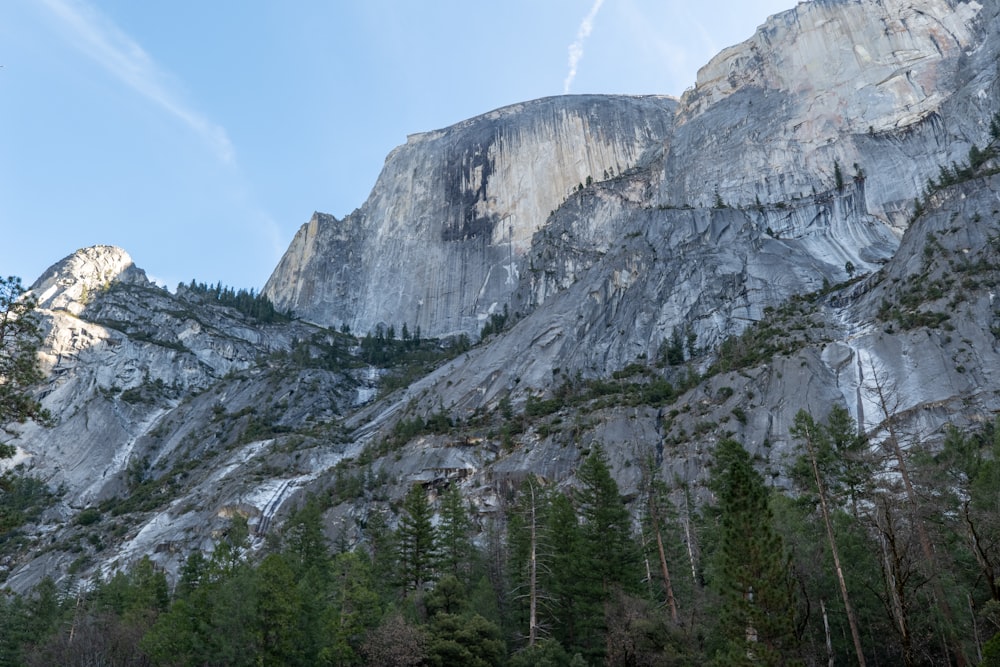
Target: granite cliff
(648, 273)
(825, 93)
(439, 243)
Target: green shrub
(88, 517)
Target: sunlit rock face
(440, 242)
(70, 283)
(110, 331)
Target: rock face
(70, 284)
(439, 243)
(889, 89)
(120, 352)
(157, 398)
(823, 94)
(641, 249)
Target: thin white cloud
(576, 48)
(119, 54)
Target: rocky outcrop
(890, 90)
(167, 402)
(121, 354)
(72, 282)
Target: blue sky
(200, 134)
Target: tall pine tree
(455, 549)
(611, 555)
(608, 556)
(751, 573)
(416, 540)
(565, 579)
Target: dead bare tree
(528, 520)
(898, 570)
(886, 397)
(654, 499)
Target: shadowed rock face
(440, 242)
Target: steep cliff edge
(823, 94)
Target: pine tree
(416, 540)
(307, 553)
(752, 574)
(608, 555)
(229, 556)
(141, 591)
(192, 574)
(470, 641)
(304, 541)
(673, 352)
(279, 609)
(20, 336)
(566, 578)
(382, 551)
(455, 550)
(354, 610)
(611, 555)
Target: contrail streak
(576, 48)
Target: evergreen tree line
(383, 348)
(251, 304)
(885, 553)
(959, 173)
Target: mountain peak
(67, 283)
